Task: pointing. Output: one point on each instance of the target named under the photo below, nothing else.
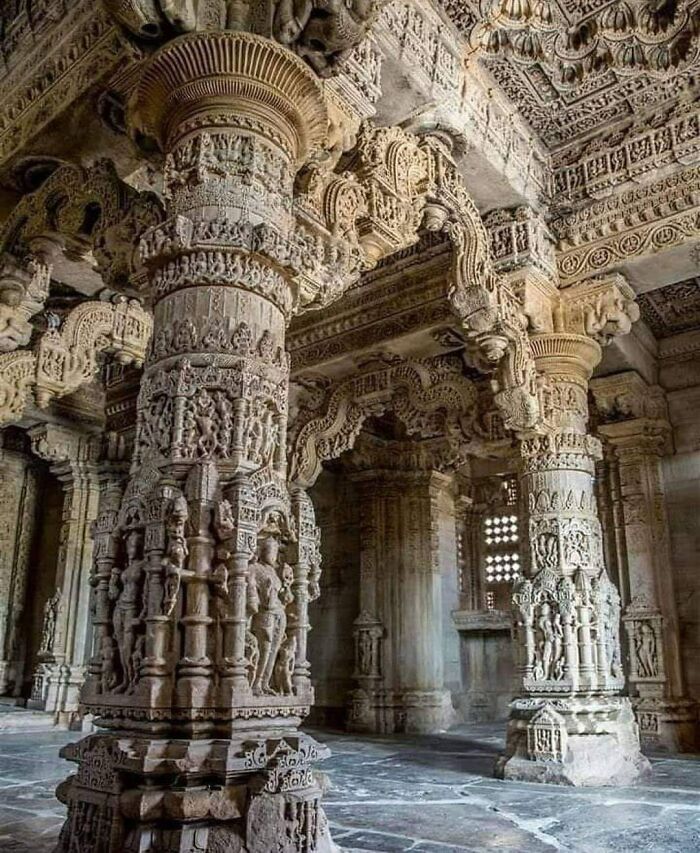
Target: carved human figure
(546, 550)
(284, 666)
(268, 596)
(109, 677)
(364, 647)
(176, 553)
(127, 605)
(252, 655)
(48, 631)
(546, 635)
(645, 643)
(558, 656)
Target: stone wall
(680, 374)
(682, 481)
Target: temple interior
(349, 426)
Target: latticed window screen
(500, 556)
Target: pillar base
(251, 794)
(409, 711)
(667, 725)
(587, 741)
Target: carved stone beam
(66, 358)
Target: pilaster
(399, 632)
(62, 656)
(635, 426)
(18, 503)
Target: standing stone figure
(48, 631)
(128, 606)
(268, 596)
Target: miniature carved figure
(48, 631)
(284, 666)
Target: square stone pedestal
(582, 742)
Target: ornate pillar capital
(632, 415)
(566, 354)
(323, 33)
(204, 81)
(601, 308)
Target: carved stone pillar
(570, 725)
(205, 566)
(18, 496)
(639, 434)
(399, 631)
(62, 656)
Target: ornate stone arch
(86, 208)
(67, 358)
(432, 398)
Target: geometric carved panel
(672, 309)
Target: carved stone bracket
(23, 291)
(87, 209)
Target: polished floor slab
(420, 794)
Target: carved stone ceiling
(672, 309)
(574, 67)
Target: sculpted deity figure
(268, 597)
(176, 553)
(645, 643)
(48, 631)
(365, 653)
(284, 667)
(109, 675)
(545, 628)
(558, 629)
(127, 606)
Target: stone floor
(423, 794)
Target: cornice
(627, 241)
